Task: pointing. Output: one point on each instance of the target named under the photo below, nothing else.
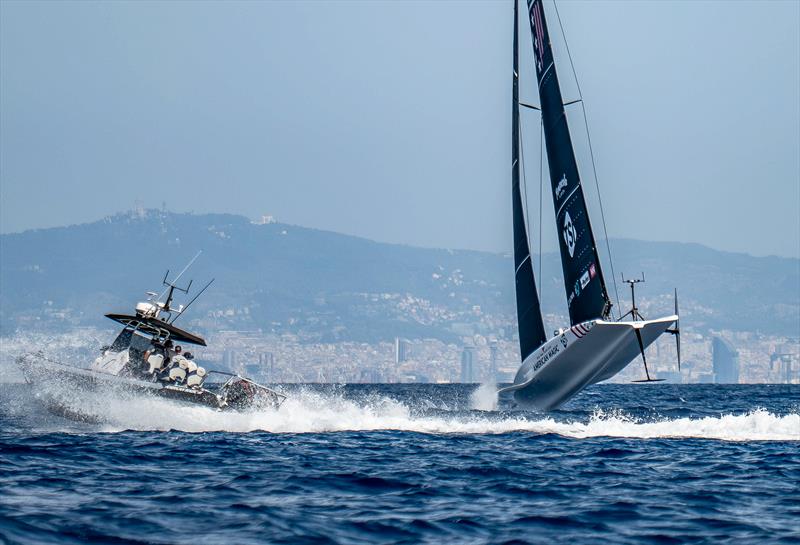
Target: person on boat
(173, 352)
(168, 351)
(178, 367)
(161, 372)
(154, 360)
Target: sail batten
(586, 293)
(529, 314)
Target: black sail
(587, 297)
(529, 314)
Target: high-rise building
(725, 361)
(229, 360)
(493, 361)
(266, 366)
(266, 360)
(402, 350)
(785, 367)
(468, 374)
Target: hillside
(330, 286)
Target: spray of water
(77, 347)
(311, 411)
(484, 398)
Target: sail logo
(570, 235)
(538, 40)
(561, 187)
(585, 279)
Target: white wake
(311, 411)
(308, 411)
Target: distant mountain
(328, 286)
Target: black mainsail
(587, 297)
(529, 314)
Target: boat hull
(59, 382)
(586, 354)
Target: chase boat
(147, 358)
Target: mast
(587, 297)
(529, 314)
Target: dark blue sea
(409, 464)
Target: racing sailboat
(595, 347)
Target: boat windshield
(138, 346)
(123, 340)
(130, 339)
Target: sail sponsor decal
(570, 236)
(561, 187)
(576, 291)
(585, 279)
(538, 38)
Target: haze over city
(391, 120)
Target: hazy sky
(391, 120)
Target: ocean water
(648, 463)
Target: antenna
(173, 285)
(636, 315)
(182, 310)
(634, 311)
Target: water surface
(408, 463)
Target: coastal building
(468, 374)
(229, 360)
(725, 362)
(402, 350)
(493, 350)
(785, 367)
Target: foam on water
(309, 411)
(484, 398)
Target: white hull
(585, 354)
(61, 384)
